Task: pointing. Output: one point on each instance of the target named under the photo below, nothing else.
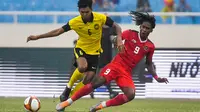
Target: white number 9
(137, 49)
(107, 71)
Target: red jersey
(136, 49)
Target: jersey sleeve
(71, 24)
(125, 34)
(106, 20)
(66, 27)
(109, 22)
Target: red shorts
(111, 72)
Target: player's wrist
(155, 77)
(38, 36)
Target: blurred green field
(83, 105)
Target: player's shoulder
(150, 43)
(97, 14)
(75, 19)
(130, 31)
(134, 31)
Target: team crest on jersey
(146, 48)
(134, 41)
(96, 26)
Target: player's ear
(140, 27)
(151, 30)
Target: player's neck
(142, 38)
(89, 19)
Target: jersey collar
(142, 41)
(91, 19)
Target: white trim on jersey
(140, 38)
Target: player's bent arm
(109, 22)
(118, 31)
(120, 46)
(152, 71)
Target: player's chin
(143, 34)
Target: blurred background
(99, 5)
(42, 67)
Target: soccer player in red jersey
(137, 46)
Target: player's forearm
(52, 33)
(118, 31)
(152, 71)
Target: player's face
(85, 13)
(145, 29)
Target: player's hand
(32, 37)
(161, 80)
(120, 46)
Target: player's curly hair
(139, 18)
(85, 3)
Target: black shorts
(92, 60)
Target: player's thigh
(124, 81)
(90, 72)
(109, 73)
(92, 61)
(80, 57)
(82, 62)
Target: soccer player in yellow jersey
(88, 25)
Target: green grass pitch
(83, 105)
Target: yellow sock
(75, 76)
(78, 86)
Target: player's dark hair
(139, 18)
(84, 4)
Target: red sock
(118, 100)
(85, 90)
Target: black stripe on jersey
(109, 22)
(66, 27)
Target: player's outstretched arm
(52, 33)
(151, 69)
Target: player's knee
(82, 69)
(82, 64)
(130, 96)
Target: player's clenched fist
(165, 80)
(120, 46)
(32, 37)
